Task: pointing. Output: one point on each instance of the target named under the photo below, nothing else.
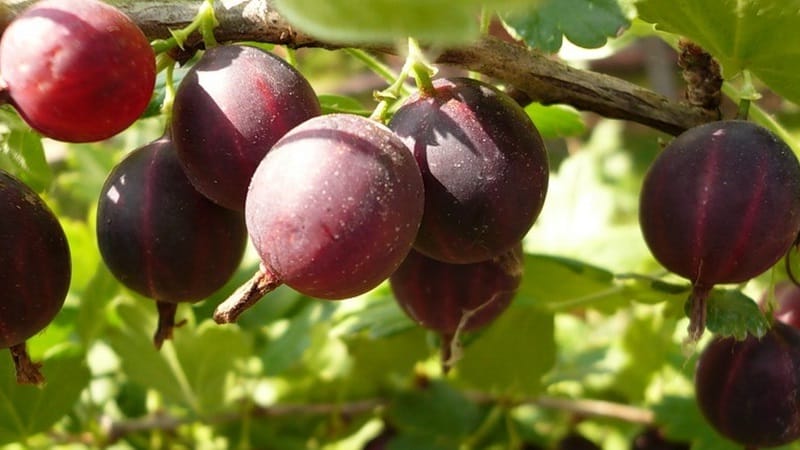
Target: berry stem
(262, 283)
(27, 370)
(205, 21)
(166, 322)
(450, 351)
(748, 94)
(379, 68)
(416, 66)
(697, 311)
(421, 70)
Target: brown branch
(115, 430)
(540, 77)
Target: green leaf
(22, 154)
(653, 290)
(556, 121)
(649, 345)
(99, 292)
(519, 347)
(758, 35)
(378, 362)
(682, 421)
(341, 104)
(190, 369)
(379, 315)
(586, 23)
(436, 411)
(207, 355)
(27, 410)
(731, 313)
(387, 21)
(290, 338)
(557, 283)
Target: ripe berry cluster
(437, 201)
(333, 204)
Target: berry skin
(35, 266)
(35, 271)
(335, 205)
(332, 211)
(77, 70)
(230, 109)
(162, 238)
(443, 297)
(484, 166)
(720, 204)
(749, 390)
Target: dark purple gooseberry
(455, 298)
(721, 204)
(229, 110)
(448, 297)
(332, 210)
(35, 270)
(163, 239)
(77, 70)
(749, 390)
(484, 167)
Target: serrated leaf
(758, 35)
(555, 121)
(28, 410)
(386, 21)
(732, 313)
(189, 370)
(207, 356)
(518, 346)
(437, 411)
(585, 23)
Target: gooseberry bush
(428, 225)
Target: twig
(115, 430)
(540, 77)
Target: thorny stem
(166, 322)
(262, 283)
(27, 370)
(748, 94)
(205, 21)
(415, 66)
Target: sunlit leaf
(586, 23)
(518, 347)
(556, 121)
(758, 35)
(387, 21)
(731, 313)
(28, 410)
